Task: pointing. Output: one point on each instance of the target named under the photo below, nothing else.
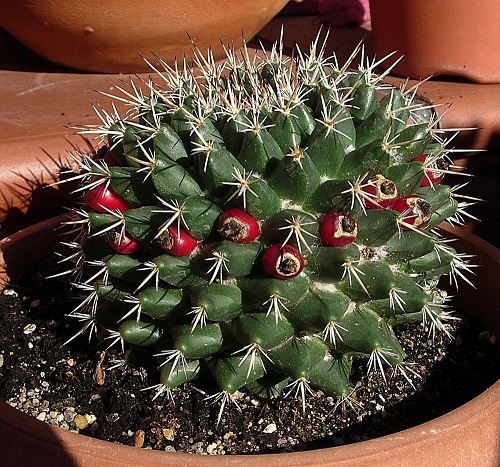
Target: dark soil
(72, 387)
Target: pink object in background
(344, 12)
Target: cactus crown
(263, 221)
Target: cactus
(265, 221)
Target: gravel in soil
(73, 387)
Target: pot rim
(449, 427)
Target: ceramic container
(111, 35)
(440, 37)
(469, 435)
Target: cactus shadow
(14, 56)
(31, 195)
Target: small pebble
(271, 428)
(139, 438)
(69, 415)
(169, 433)
(81, 422)
(29, 328)
(112, 417)
(484, 336)
(10, 293)
(99, 376)
(91, 418)
(211, 448)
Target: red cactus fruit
(415, 211)
(433, 169)
(337, 229)
(282, 261)
(238, 226)
(177, 241)
(103, 198)
(380, 192)
(123, 243)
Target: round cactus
(263, 222)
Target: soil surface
(72, 386)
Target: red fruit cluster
(102, 198)
(382, 193)
(285, 262)
(279, 261)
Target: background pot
(443, 37)
(109, 35)
(469, 435)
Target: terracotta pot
(450, 37)
(469, 435)
(109, 35)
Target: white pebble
(29, 328)
(10, 292)
(91, 418)
(271, 428)
(211, 448)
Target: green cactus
(263, 222)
